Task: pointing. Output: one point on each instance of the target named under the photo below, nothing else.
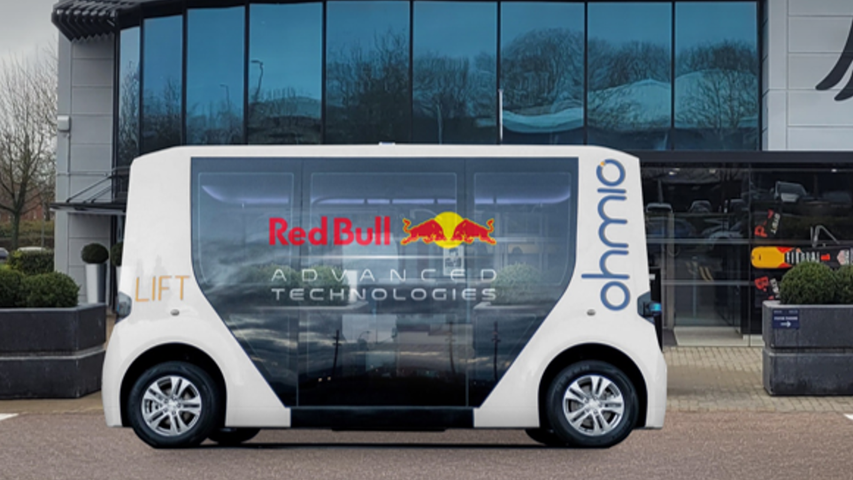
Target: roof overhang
(91, 208)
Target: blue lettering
(611, 193)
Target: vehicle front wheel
(233, 436)
(592, 404)
(174, 405)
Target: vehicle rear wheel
(592, 404)
(174, 405)
(233, 436)
(545, 436)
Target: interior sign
(788, 318)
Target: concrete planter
(51, 353)
(808, 349)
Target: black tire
(204, 390)
(620, 427)
(546, 437)
(233, 436)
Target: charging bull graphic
(837, 73)
(448, 230)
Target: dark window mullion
(246, 27)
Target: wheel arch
(167, 353)
(594, 351)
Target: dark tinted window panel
(630, 67)
(215, 39)
(128, 98)
(234, 264)
(285, 73)
(455, 71)
(367, 72)
(402, 336)
(542, 79)
(162, 83)
(716, 76)
(533, 213)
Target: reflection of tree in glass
(367, 90)
(613, 103)
(284, 116)
(455, 94)
(720, 83)
(542, 68)
(128, 121)
(161, 122)
(220, 123)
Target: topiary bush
(844, 285)
(31, 262)
(808, 284)
(95, 253)
(11, 291)
(115, 254)
(50, 290)
(517, 284)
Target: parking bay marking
(6, 416)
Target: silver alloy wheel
(593, 405)
(171, 406)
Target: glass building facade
(677, 83)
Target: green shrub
(808, 284)
(517, 284)
(95, 253)
(844, 285)
(115, 254)
(31, 262)
(11, 293)
(50, 290)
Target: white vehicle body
(600, 310)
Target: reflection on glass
(162, 83)
(215, 76)
(532, 257)
(236, 267)
(455, 86)
(802, 200)
(285, 71)
(630, 67)
(542, 72)
(716, 76)
(128, 98)
(707, 205)
(367, 72)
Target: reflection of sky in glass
(626, 22)
(703, 23)
(288, 40)
(129, 51)
(163, 50)
(521, 188)
(461, 29)
(215, 58)
(352, 23)
(519, 18)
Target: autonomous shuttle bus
(385, 287)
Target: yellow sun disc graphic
(448, 222)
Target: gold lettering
(137, 292)
(160, 292)
(182, 278)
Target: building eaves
(79, 19)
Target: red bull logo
(448, 230)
